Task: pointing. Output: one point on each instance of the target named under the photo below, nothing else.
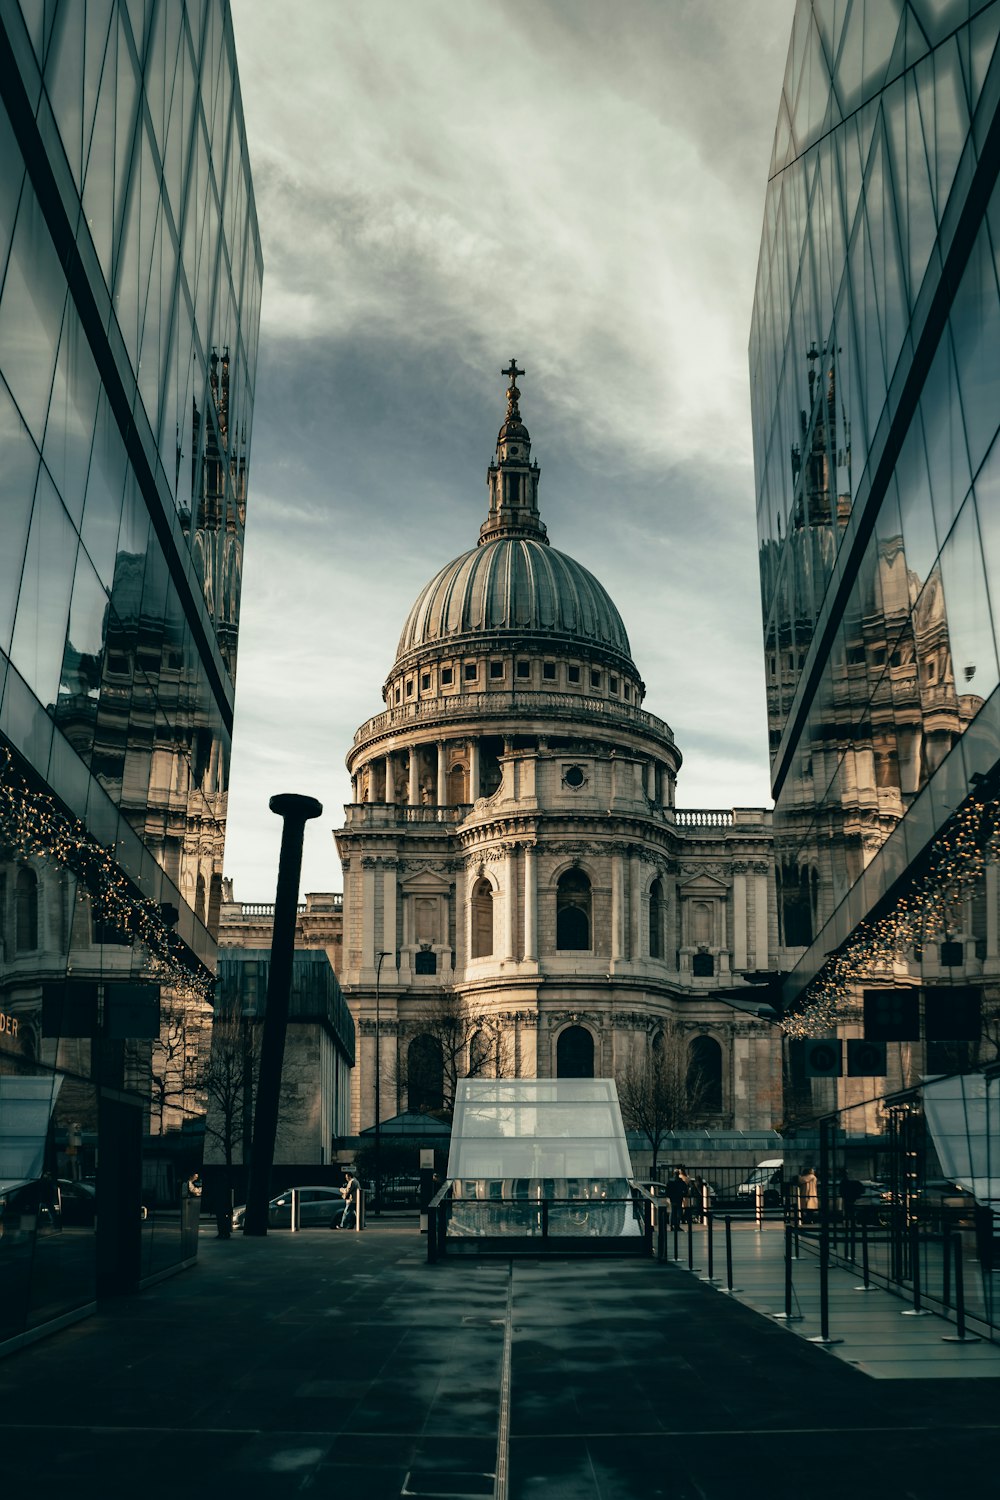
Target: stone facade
(518, 881)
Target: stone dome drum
(516, 584)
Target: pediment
(425, 883)
(704, 885)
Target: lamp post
(383, 953)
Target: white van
(768, 1175)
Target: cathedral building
(522, 896)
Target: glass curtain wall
(130, 275)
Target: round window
(573, 776)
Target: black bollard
(296, 812)
(711, 1246)
(661, 1234)
(945, 1268)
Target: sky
(441, 186)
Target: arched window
(457, 794)
(26, 911)
(704, 1076)
(424, 1074)
(482, 919)
(573, 903)
(702, 965)
(656, 919)
(575, 1053)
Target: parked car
(319, 1207)
(873, 1205)
(77, 1202)
(769, 1176)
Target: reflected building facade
(130, 276)
(876, 403)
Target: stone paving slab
(332, 1365)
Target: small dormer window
(398, 694)
(573, 674)
(595, 679)
(496, 668)
(612, 684)
(447, 676)
(409, 687)
(425, 682)
(549, 671)
(628, 691)
(524, 669)
(471, 671)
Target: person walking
(351, 1193)
(676, 1191)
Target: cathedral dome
(514, 583)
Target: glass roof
(538, 1128)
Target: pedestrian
(696, 1193)
(850, 1192)
(808, 1195)
(350, 1192)
(676, 1190)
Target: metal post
(377, 1206)
(661, 1234)
(729, 1288)
(960, 1336)
(788, 1316)
(945, 1267)
(917, 1310)
(866, 1281)
(296, 812)
(710, 1247)
(295, 1211)
(825, 1127)
(758, 1194)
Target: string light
(32, 824)
(957, 863)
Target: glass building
(876, 403)
(130, 277)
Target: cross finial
(512, 371)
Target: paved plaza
(342, 1364)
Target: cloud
(438, 187)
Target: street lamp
(378, 1078)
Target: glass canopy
(539, 1155)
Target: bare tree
(446, 1042)
(176, 1061)
(662, 1091)
(229, 1084)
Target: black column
(296, 811)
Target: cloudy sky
(578, 183)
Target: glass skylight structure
(532, 1156)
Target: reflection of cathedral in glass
(875, 415)
(130, 275)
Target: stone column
(530, 904)
(651, 780)
(442, 790)
(414, 789)
(617, 914)
(509, 903)
(739, 917)
(761, 956)
(473, 770)
(390, 784)
(634, 907)
(367, 913)
(389, 942)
